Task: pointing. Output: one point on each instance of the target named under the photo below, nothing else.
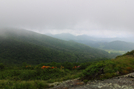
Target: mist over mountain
(18, 46)
(118, 44)
(68, 36)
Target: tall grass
(8, 84)
(39, 74)
(34, 77)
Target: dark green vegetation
(8, 84)
(29, 76)
(35, 77)
(18, 46)
(51, 60)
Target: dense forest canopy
(18, 46)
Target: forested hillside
(18, 46)
(108, 44)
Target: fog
(99, 18)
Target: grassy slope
(119, 66)
(26, 77)
(23, 77)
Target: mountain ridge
(116, 44)
(27, 46)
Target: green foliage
(18, 76)
(23, 85)
(2, 66)
(84, 65)
(44, 74)
(130, 53)
(106, 76)
(68, 65)
(115, 67)
(92, 71)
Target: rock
(99, 86)
(122, 82)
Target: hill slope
(115, 44)
(119, 45)
(19, 46)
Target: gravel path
(121, 82)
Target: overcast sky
(102, 18)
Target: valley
(18, 46)
(29, 59)
(111, 45)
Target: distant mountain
(63, 36)
(68, 36)
(18, 46)
(117, 44)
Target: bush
(84, 65)
(124, 72)
(28, 75)
(52, 73)
(23, 85)
(93, 71)
(130, 53)
(130, 69)
(40, 85)
(110, 67)
(107, 75)
(2, 66)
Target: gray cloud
(93, 17)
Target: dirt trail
(121, 82)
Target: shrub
(28, 75)
(2, 66)
(106, 75)
(22, 86)
(93, 71)
(40, 85)
(124, 72)
(68, 65)
(130, 69)
(84, 66)
(110, 67)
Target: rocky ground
(120, 82)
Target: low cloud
(91, 17)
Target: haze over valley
(64, 44)
(118, 45)
(18, 46)
(91, 25)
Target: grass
(15, 83)
(37, 78)
(111, 68)
(9, 84)
(12, 83)
(16, 78)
